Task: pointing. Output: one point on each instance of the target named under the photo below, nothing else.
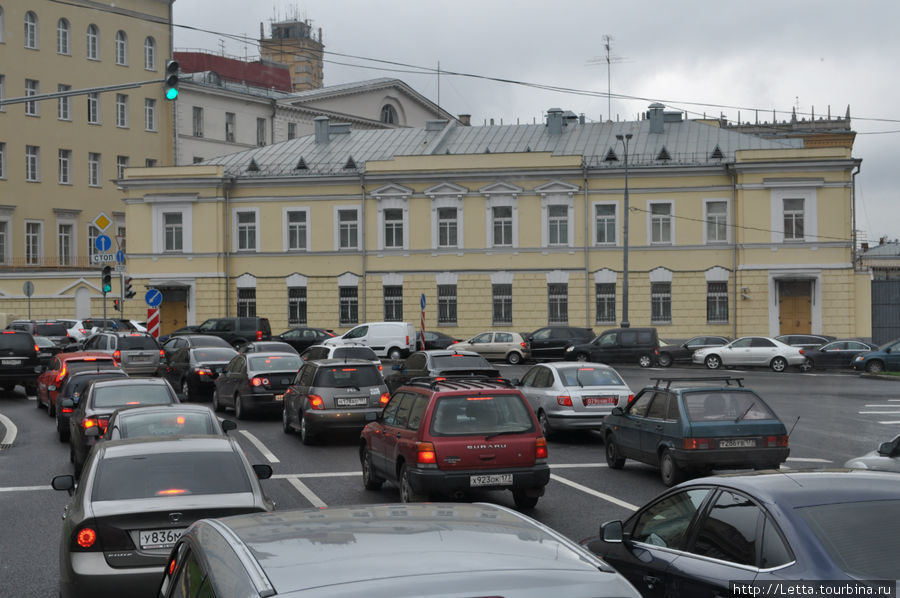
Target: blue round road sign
(103, 243)
(422, 301)
(120, 257)
(153, 297)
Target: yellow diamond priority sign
(102, 221)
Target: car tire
(407, 494)
(665, 360)
(670, 473)
(240, 410)
(875, 367)
(395, 354)
(185, 390)
(306, 436)
(614, 459)
(31, 389)
(523, 501)
(371, 481)
(62, 431)
(216, 405)
(37, 400)
(778, 364)
(544, 421)
(713, 362)
(807, 366)
(71, 454)
(51, 407)
(645, 361)
(285, 426)
(514, 358)
(581, 357)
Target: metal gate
(885, 311)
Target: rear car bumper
(730, 458)
(87, 575)
(140, 369)
(573, 421)
(20, 373)
(340, 420)
(264, 400)
(435, 481)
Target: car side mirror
(612, 532)
(617, 411)
(228, 424)
(263, 471)
(515, 382)
(64, 482)
(92, 431)
(886, 448)
(51, 387)
(888, 350)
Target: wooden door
(795, 314)
(172, 316)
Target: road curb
(880, 377)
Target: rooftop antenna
(609, 58)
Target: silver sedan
(751, 351)
(573, 395)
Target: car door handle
(651, 581)
(659, 426)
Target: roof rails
(458, 382)
(728, 380)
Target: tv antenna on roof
(609, 58)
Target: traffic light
(129, 292)
(116, 305)
(106, 285)
(171, 79)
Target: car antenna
(794, 426)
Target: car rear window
(76, 384)
(166, 423)
(152, 475)
(589, 376)
(138, 343)
(481, 414)
(355, 353)
(461, 361)
(98, 363)
(20, 343)
(213, 354)
(348, 376)
(123, 396)
(724, 406)
(863, 538)
(51, 330)
(274, 363)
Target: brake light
(524, 345)
(90, 423)
(259, 335)
(171, 492)
(540, 448)
(564, 401)
(316, 402)
(117, 355)
(203, 372)
(385, 397)
(86, 537)
(66, 410)
(777, 441)
(257, 381)
(180, 420)
(407, 340)
(693, 444)
(425, 454)
(37, 349)
(93, 537)
(82, 331)
(630, 399)
(172, 564)
(162, 354)
(801, 352)
(61, 374)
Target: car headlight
(569, 349)
(858, 358)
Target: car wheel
(78, 465)
(665, 360)
(544, 421)
(370, 480)
(37, 401)
(613, 459)
(779, 364)
(306, 435)
(31, 389)
(185, 390)
(514, 358)
(215, 400)
(875, 367)
(51, 406)
(644, 361)
(581, 357)
(713, 362)
(62, 431)
(395, 354)
(523, 501)
(407, 494)
(670, 473)
(240, 410)
(807, 366)
(71, 454)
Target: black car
(550, 342)
(302, 337)
(193, 340)
(267, 347)
(235, 330)
(805, 341)
(193, 370)
(255, 381)
(444, 363)
(836, 354)
(434, 340)
(682, 352)
(787, 529)
(46, 350)
(55, 331)
(19, 361)
(70, 392)
(146, 421)
(619, 345)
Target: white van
(394, 340)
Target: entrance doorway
(795, 306)
(173, 309)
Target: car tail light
(776, 441)
(91, 537)
(425, 454)
(257, 381)
(540, 448)
(37, 349)
(162, 354)
(524, 345)
(66, 409)
(82, 331)
(203, 371)
(693, 444)
(316, 402)
(564, 400)
(630, 399)
(86, 537)
(385, 397)
(95, 422)
(61, 374)
(259, 335)
(171, 568)
(801, 352)
(117, 355)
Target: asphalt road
(841, 415)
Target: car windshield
(863, 538)
(275, 363)
(168, 423)
(213, 354)
(722, 405)
(151, 475)
(589, 376)
(355, 353)
(138, 342)
(481, 415)
(448, 362)
(120, 395)
(348, 376)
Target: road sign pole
(122, 294)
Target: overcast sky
(694, 55)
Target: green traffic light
(107, 288)
(171, 93)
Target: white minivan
(394, 340)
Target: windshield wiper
(489, 436)
(746, 411)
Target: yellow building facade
(511, 227)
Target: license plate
(11, 361)
(499, 479)
(352, 402)
(279, 397)
(738, 443)
(588, 401)
(141, 358)
(160, 538)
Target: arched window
(63, 37)
(31, 30)
(150, 54)
(93, 41)
(121, 48)
(389, 114)
(2, 25)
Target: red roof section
(256, 74)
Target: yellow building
(59, 157)
(512, 227)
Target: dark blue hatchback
(700, 537)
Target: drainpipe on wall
(734, 250)
(587, 244)
(362, 188)
(853, 213)
(272, 126)
(227, 184)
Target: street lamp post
(625, 323)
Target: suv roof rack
(459, 382)
(728, 380)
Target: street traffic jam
(164, 502)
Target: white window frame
(149, 53)
(33, 164)
(236, 227)
(555, 199)
(706, 223)
(159, 227)
(651, 217)
(615, 222)
(92, 233)
(2, 87)
(71, 246)
(122, 110)
(442, 201)
(32, 30)
(337, 228)
(176, 230)
(2, 160)
(392, 197)
(6, 234)
(261, 139)
(286, 229)
(810, 213)
(122, 162)
(493, 204)
(2, 26)
(447, 225)
(95, 169)
(92, 42)
(34, 260)
(230, 127)
(197, 121)
(121, 48)
(63, 37)
(64, 167)
(64, 104)
(32, 88)
(149, 114)
(93, 106)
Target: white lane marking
(25, 488)
(893, 423)
(260, 446)
(594, 493)
(879, 412)
(306, 492)
(892, 406)
(331, 474)
(11, 431)
(809, 460)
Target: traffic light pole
(122, 294)
(78, 92)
